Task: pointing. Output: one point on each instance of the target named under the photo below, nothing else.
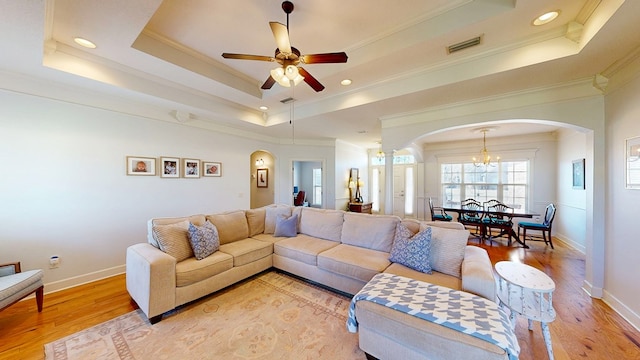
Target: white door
(398, 191)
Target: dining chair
(471, 216)
(441, 215)
(16, 285)
(544, 227)
(499, 216)
(488, 203)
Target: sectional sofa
(338, 249)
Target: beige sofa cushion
(197, 220)
(191, 271)
(412, 224)
(369, 231)
(447, 249)
(270, 238)
(255, 220)
(302, 248)
(354, 262)
(322, 223)
(435, 277)
(272, 213)
(232, 226)
(173, 239)
(247, 250)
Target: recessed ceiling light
(263, 108)
(546, 18)
(346, 82)
(84, 42)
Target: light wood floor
(584, 328)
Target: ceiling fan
(289, 58)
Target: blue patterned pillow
(287, 227)
(204, 239)
(411, 250)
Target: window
(375, 189)
(397, 160)
(317, 187)
(409, 190)
(506, 181)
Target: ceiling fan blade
(281, 34)
(338, 57)
(269, 83)
(313, 82)
(247, 57)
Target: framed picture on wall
(191, 168)
(169, 167)
(137, 165)
(211, 168)
(632, 163)
(262, 178)
(578, 174)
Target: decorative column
(388, 182)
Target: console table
(527, 291)
(361, 207)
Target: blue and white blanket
(457, 310)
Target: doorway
(308, 176)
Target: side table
(527, 291)
(361, 207)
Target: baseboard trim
(622, 309)
(83, 279)
(570, 243)
(592, 291)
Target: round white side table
(527, 291)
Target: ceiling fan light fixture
(286, 75)
(291, 72)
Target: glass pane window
(317, 186)
(507, 181)
(375, 189)
(409, 186)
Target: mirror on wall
(353, 183)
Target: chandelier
(485, 157)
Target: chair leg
(524, 236)
(40, 297)
(545, 238)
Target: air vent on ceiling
(287, 100)
(464, 44)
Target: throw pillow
(173, 239)
(204, 239)
(287, 227)
(411, 250)
(272, 215)
(447, 250)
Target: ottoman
(390, 333)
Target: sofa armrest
(151, 279)
(477, 273)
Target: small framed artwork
(169, 167)
(137, 165)
(578, 174)
(191, 168)
(262, 178)
(632, 163)
(212, 168)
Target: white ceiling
(168, 53)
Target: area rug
(270, 316)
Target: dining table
(517, 213)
